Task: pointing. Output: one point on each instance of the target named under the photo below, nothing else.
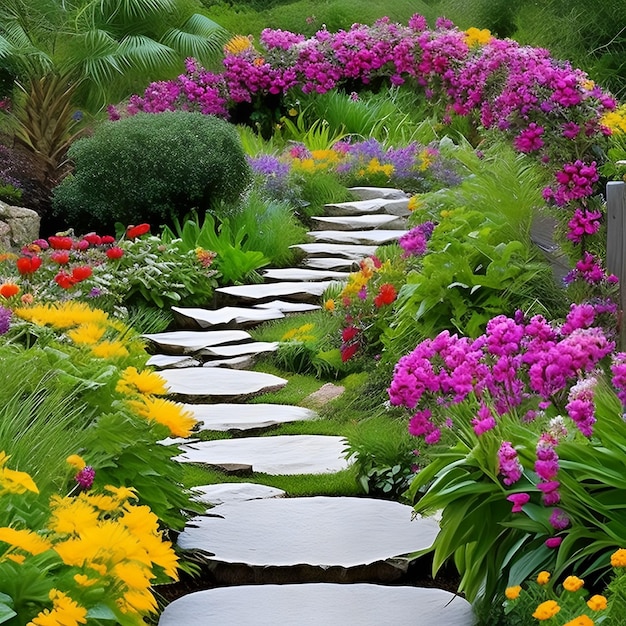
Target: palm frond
(198, 37)
(145, 53)
(134, 9)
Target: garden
(168, 149)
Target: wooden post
(616, 246)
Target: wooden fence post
(616, 246)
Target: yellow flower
(171, 414)
(122, 493)
(146, 381)
(133, 575)
(109, 350)
(546, 610)
(84, 581)
(77, 462)
(25, 540)
(329, 305)
(618, 558)
(477, 37)
(237, 44)
(64, 612)
(16, 558)
(13, 481)
(512, 593)
(87, 334)
(63, 314)
(414, 203)
(292, 112)
(543, 578)
(597, 603)
(573, 583)
(71, 515)
(138, 602)
(582, 620)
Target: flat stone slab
(319, 531)
(361, 222)
(365, 206)
(191, 341)
(282, 454)
(315, 604)
(304, 290)
(218, 382)
(352, 252)
(235, 362)
(369, 193)
(236, 316)
(303, 274)
(288, 307)
(398, 207)
(241, 349)
(233, 492)
(329, 263)
(358, 237)
(229, 416)
(165, 361)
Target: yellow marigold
(477, 37)
(618, 558)
(146, 382)
(133, 575)
(13, 481)
(237, 44)
(546, 610)
(109, 350)
(414, 203)
(86, 334)
(512, 593)
(25, 540)
(329, 304)
(162, 554)
(63, 314)
(327, 157)
(137, 602)
(71, 515)
(76, 461)
(615, 120)
(171, 414)
(543, 578)
(582, 620)
(140, 521)
(573, 583)
(121, 494)
(597, 603)
(64, 611)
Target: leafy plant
(151, 168)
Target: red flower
(347, 352)
(115, 252)
(106, 239)
(81, 273)
(7, 290)
(65, 281)
(93, 239)
(61, 243)
(349, 333)
(28, 264)
(83, 244)
(132, 232)
(386, 295)
(62, 257)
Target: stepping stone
(358, 237)
(330, 263)
(190, 341)
(296, 290)
(233, 492)
(312, 604)
(368, 206)
(352, 252)
(241, 349)
(344, 534)
(296, 273)
(361, 222)
(288, 307)
(217, 382)
(165, 361)
(246, 416)
(368, 193)
(398, 207)
(233, 363)
(226, 316)
(282, 454)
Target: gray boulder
(18, 226)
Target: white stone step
(330, 263)
(234, 363)
(369, 206)
(319, 604)
(239, 316)
(317, 531)
(361, 222)
(231, 416)
(190, 341)
(302, 274)
(241, 349)
(287, 307)
(368, 193)
(352, 252)
(281, 454)
(357, 237)
(216, 382)
(303, 290)
(233, 492)
(166, 361)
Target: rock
(323, 395)
(361, 222)
(233, 492)
(238, 317)
(315, 604)
(352, 252)
(357, 237)
(18, 226)
(369, 193)
(331, 263)
(303, 274)
(288, 307)
(182, 342)
(300, 291)
(166, 361)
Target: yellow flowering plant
(88, 559)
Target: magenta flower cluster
(415, 242)
(509, 465)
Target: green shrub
(151, 168)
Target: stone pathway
(253, 537)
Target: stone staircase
(289, 561)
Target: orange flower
(597, 603)
(582, 620)
(618, 558)
(573, 583)
(512, 593)
(546, 610)
(8, 290)
(543, 578)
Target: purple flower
(508, 463)
(559, 520)
(484, 421)
(583, 223)
(529, 140)
(414, 243)
(553, 542)
(5, 320)
(85, 477)
(518, 500)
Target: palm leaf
(145, 53)
(198, 37)
(133, 9)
